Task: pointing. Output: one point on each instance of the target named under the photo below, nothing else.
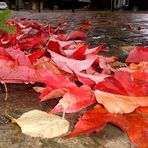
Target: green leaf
(5, 16)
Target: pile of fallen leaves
(67, 68)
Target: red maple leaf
(137, 55)
(77, 35)
(121, 93)
(135, 124)
(139, 71)
(75, 99)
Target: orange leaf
(135, 124)
(118, 103)
(140, 71)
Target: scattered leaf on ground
(118, 103)
(135, 124)
(36, 123)
(138, 55)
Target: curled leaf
(120, 104)
(70, 65)
(74, 100)
(134, 57)
(77, 35)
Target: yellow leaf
(37, 123)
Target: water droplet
(2, 82)
(46, 59)
(32, 82)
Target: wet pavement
(124, 31)
(117, 29)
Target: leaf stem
(6, 90)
